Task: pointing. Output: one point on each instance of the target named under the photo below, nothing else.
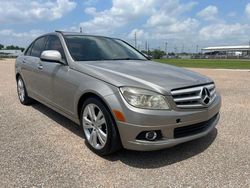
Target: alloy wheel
(94, 126)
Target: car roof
(65, 33)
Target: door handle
(40, 67)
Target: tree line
(11, 47)
(155, 54)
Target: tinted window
(54, 43)
(38, 47)
(86, 48)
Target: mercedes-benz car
(116, 94)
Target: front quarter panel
(89, 84)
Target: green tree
(1, 46)
(12, 47)
(157, 54)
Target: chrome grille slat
(192, 97)
(187, 98)
(211, 86)
(191, 106)
(189, 90)
(212, 92)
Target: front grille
(193, 129)
(194, 97)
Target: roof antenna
(80, 29)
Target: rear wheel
(22, 92)
(99, 128)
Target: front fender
(96, 87)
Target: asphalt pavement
(41, 148)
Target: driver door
(59, 88)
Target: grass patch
(208, 63)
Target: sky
(184, 25)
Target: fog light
(151, 135)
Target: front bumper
(129, 133)
(139, 120)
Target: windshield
(95, 48)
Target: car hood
(144, 74)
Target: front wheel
(99, 128)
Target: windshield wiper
(128, 58)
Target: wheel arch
(17, 75)
(87, 95)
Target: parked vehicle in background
(118, 96)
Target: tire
(100, 131)
(22, 92)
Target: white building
(10, 53)
(228, 51)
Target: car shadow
(139, 159)
(58, 118)
(156, 159)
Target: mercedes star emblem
(205, 96)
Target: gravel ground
(39, 147)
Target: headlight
(142, 98)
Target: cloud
(16, 11)
(209, 13)
(183, 26)
(154, 21)
(140, 33)
(247, 10)
(9, 36)
(169, 20)
(89, 2)
(157, 13)
(232, 14)
(225, 31)
(120, 14)
(91, 11)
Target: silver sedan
(116, 94)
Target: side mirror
(51, 55)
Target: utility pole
(166, 49)
(197, 48)
(175, 49)
(148, 49)
(80, 29)
(135, 41)
(146, 46)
